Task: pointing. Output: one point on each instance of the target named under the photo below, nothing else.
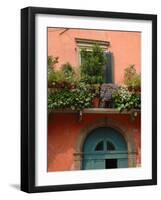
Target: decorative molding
(96, 111)
(81, 42)
(105, 122)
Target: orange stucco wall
(125, 46)
(64, 131)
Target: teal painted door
(105, 148)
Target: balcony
(133, 113)
(97, 111)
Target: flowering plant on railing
(75, 99)
(125, 100)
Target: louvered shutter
(108, 73)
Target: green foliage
(92, 79)
(131, 78)
(126, 100)
(52, 61)
(68, 91)
(69, 73)
(63, 78)
(92, 65)
(67, 69)
(95, 89)
(76, 99)
(56, 76)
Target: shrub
(92, 65)
(126, 100)
(95, 89)
(52, 61)
(67, 69)
(65, 78)
(76, 99)
(69, 73)
(131, 78)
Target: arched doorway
(104, 148)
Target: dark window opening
(109, 68)
(99, 146)
(110, 146)
(110, 163)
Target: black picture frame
(28, 99)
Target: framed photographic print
(88, 99)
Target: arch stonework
(124, 131)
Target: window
(110, 146)
(99, 146)
(87, 44)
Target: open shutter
(109, 68)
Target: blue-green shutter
(109, 68)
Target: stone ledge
(97, 111)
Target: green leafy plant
(67, 69)
(76, 99)
(126, 100)
(92, 65)
(52, 61)
(95, 89)
(69, 73)
(131, 78)
(65, 78)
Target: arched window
(99, 146)
(110, 146)
(102, 147)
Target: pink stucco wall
(125, 46)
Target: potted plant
(52, 61)
(76, 99)
(126, 100)
(64, 78)
(96, 91)
(132, 79)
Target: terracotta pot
(96, 102)
(135, 89)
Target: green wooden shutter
(109, 68)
